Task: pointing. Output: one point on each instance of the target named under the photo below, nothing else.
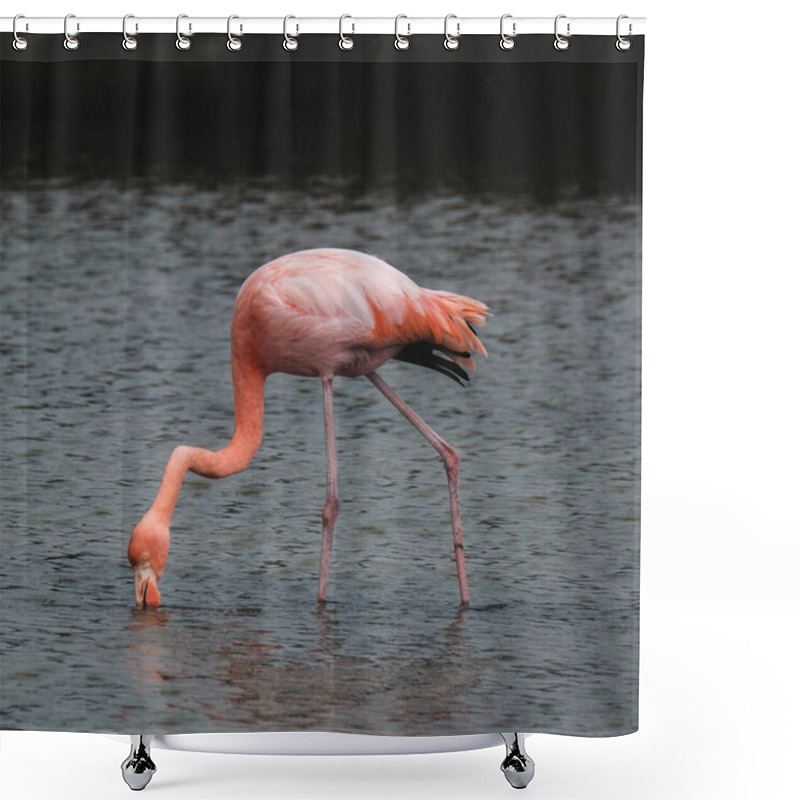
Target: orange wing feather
(438, 317)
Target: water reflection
(262, 684)
(148, 646)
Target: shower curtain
(140, 189)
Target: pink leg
(451, 460)
(331, 509)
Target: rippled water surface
(115, 312)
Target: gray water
(116, 304)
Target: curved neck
(248, 391)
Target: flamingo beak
(146, 587)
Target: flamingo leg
(452, 461)
(331, 509)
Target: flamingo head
(147, 553)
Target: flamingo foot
(138, 768)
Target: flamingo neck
(248, 388)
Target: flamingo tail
(450, 320)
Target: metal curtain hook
(451, 42)
(623, 43)
(401, 42)
(346, 42)
(20, 42)
(507, 42)
(234, 42)
(561, 42)
(129, 42)
(289, 42)
(182, 42)
(71, 42)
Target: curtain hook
(346, 42)
(234, 42)
(401, 42)
(451, 42)
(507, 42)
(182, 42)
(129, 42)
(623, 43)
(20, 42)
(561, 42)
(289, 42)
(71, 42)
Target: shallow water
(116, 305)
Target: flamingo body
(320, 313)
(340, 312)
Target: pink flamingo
(320, 313)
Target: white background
(719, 686)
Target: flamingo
(320, 313)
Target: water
(116, 304)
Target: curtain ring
(71, 42)
(20, 42)
(401, 42)
(507, 42)
(129, 42)
(182, 42)
(234, 42)
(623, 44)
(346, 42)
(451, 42)
(289, 42)
(561, 42)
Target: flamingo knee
(330, 512)
(451, 458)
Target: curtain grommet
(561, 42)
(451, 42)
(346, 42)
(234, 43)
(623, 44)
(129, 42)
(290, 43)
(182, 42)
(507, 41)
(71, 42)
(20, 42)
(401, 42)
